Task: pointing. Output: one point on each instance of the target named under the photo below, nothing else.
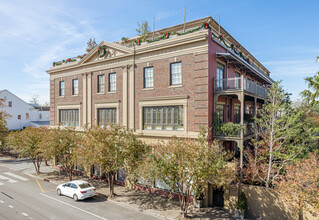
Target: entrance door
(218, 197)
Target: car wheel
(75, 197)
(58, 191)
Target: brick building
(182, 78)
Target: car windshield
(85, 185)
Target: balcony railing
(235, 131)
(240, 84)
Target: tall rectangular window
(176, 74)
(69, 117)
(106, 116)
(148, 77)
(169, 118)
(112, 82)
(61, 88)
(236, 114)
(75, 87)
(26, 115)
(100, 83)
(220, 77)
(10, 104)
(220, 112)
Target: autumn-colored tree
(111, 147)
(3, 122)
(143, 30)
(187, 165)
(28, 144)
(282, 135)
(133, 152)
(62, 145)
(299, 186)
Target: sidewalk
(133, 199)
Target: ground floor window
(169, 118)
(106, 116)
(69, 117)
(121, 175)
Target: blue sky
(283, 35)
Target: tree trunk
(70, 174)
(38, 163)
(46, 162)
(111, 183)
(300, 214)
(270, 152)
(35, 166)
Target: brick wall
(56, 99)
(194, 84)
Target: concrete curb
(102, 196)
(28, 173)
(125, 205)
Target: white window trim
(107, 105)
(59, 107)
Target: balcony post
(226, 109)
(255, 106)
(242, 109)
(242, 82)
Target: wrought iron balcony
(239, 84)
(233, 130)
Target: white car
(77, 189)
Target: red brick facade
(199, 59)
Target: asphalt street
(25, 197)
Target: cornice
(181, 40)
(151, 47)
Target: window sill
(61, 96)
(148, 88)
(175, 86)
(101, 93)
(112, 92)
(161, 133)
(75, 95)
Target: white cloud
(33, 35)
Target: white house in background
(24, 114)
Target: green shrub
(242, 204)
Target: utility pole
(184, 19)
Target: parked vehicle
(77, 189)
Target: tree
(143, 30)
(311, 94)
(133, 153)
(299, 186)
(62, 145)
(3, 122)
(106, 147)
(187, 166)
(91, 44)
(35, 99)
(28, 144)
(282, 135)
